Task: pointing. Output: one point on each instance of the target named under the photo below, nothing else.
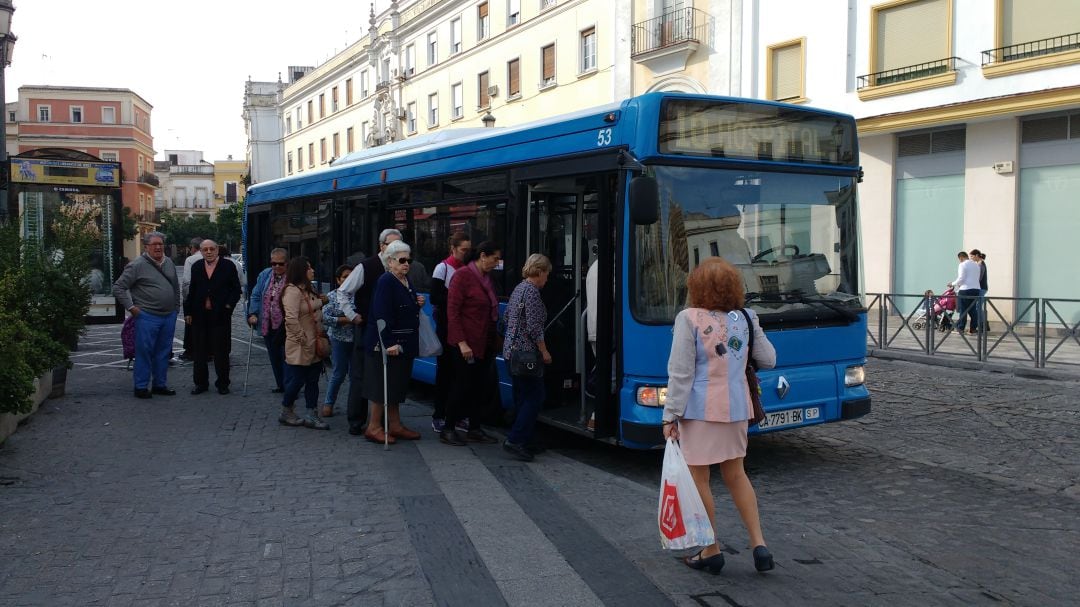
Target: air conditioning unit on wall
(493, 90)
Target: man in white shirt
(194, 254)
(967, 290)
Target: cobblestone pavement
(960, 488)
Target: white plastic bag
(681, 514)
(429, 341)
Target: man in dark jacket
(150, 290)
(361, 285)
(208, 308)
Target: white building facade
(262, 124)
(969, 121)
(186, 184)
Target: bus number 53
(603, 137)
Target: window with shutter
(482, 99)
(785, 68)
(548, 62)
(482, 22)
(911, 33)
(513, 79)
(1030, 20)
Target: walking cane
(247, 366)
(380, 324)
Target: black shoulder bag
(524, 363)
(751, 376)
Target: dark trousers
(275, 351)
(358, 405)
(444, 373)
(468, 391)
(967, 304)
(208, 339)
(302, 376)
(528, 399)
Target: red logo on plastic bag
(671, 523)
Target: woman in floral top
(525, 320)
(340, 331)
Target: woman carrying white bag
(708, 398)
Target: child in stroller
(940, 309)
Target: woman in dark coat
(395, 302)
(471, 311)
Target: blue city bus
(643, 190)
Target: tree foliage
(180, 228)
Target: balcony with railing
(667, 41)
(1027, 56)
(191, 169)
(909, 78)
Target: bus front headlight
(652, 396)
(854, 376)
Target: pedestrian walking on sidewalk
(472, 310)
(265, 314)
(460, 246)
(397, 303)
(980, 258)
(967, 292)
(708, 400)
(194, 254)
(525, 320)
(149, 289)
(212, 296)
(303, 327)
(340, 331)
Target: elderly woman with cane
(708, 400)
(392, 335)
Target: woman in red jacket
(471, 311)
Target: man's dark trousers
(358, 405)
(211, 339)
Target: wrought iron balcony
(910, 72)
(1036, 48)
(682, 26)
(191, 169)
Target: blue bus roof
(453, 151)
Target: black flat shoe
(763, 560)
(143, 393)
(199, 390)
(713, 564)
(163, 390)
(519, 452)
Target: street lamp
(7, 49)
(488, 120)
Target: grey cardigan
(144, 284)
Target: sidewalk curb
(1017, 369)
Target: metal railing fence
(1024, 330)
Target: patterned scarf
(273, 315)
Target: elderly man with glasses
(266, 315)
(150, 290)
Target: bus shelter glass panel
(791, 236)
(929, 233)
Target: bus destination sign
(725, 129)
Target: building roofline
(95, 89)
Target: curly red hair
(715, 285)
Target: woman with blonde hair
(708, 399)
(525, 320)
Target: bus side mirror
(644, 200)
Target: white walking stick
(247, 367)
(380, 324)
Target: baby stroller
(941, 309)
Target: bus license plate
(779, 419)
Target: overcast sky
(189, 59)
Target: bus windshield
(794, 238)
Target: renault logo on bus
(782, 387)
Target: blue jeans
(302, 376)
(341, 356)
(967, 304)
(528, 398)
(153, 344)
(275, 350)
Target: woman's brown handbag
(322, 341)
(751, 376)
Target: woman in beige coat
(303, 326)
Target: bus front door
(562, 226)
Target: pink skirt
(705, 443)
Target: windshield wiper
(797, 297)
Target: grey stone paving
(960, 488)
